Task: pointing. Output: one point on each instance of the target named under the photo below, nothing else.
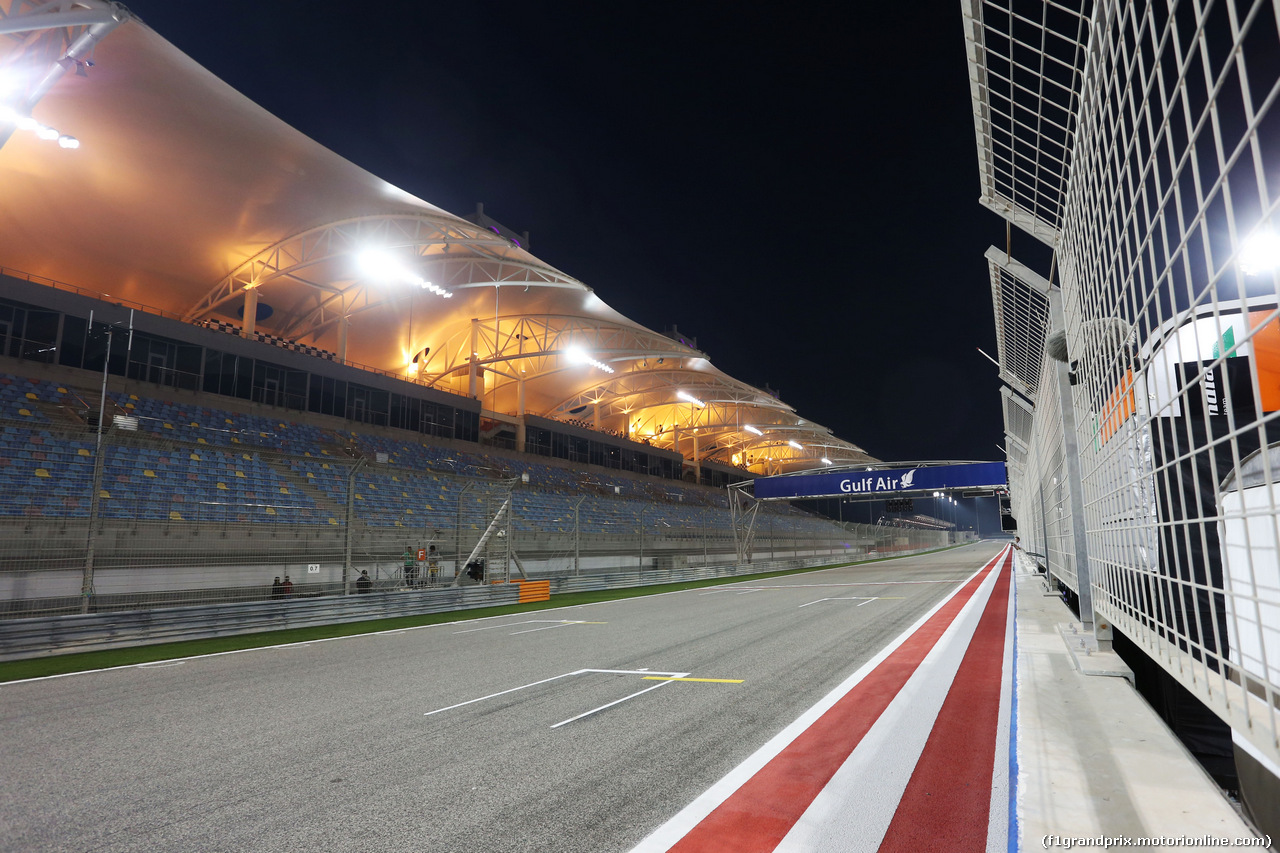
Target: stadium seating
(199, 463)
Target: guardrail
(48, 636)
(30, 638)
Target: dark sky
(794, 185)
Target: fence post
(577, 537)
(458, 568)
(351, 517)
(95, 494)
(1075, 483)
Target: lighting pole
(99, 465)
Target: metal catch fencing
(56, 635)
(1141, 144)
(140, 521)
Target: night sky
(795, 186)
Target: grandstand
(200, 500)
(194, 400)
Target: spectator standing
(410, 567)
(276, 589)
(433, 565)
(286, 588)
(363, 584)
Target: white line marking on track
(555, 678)
(611, 704)
(865, 600)
(545, 628)
(501, 693)
(161, 665)
(513, 624)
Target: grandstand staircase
(77, 409)
(323, 502)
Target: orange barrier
(534, 591)
(530, 590)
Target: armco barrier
(56, 635)
(29, 638)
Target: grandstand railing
(1149, 168)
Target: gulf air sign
(883, 481)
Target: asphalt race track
(576, 729)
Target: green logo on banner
(1227, 344)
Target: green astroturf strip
(82, 661)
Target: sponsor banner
(882, 481)
(1253, 336)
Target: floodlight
(27, 123)
(689, 398)
(1260, 253)
(68, 142)
(380, 265)
(826, 461)
(46, 133)
(752, 430)
(376, 263)
(577, 356)
(795, 444)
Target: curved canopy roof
(186, 196)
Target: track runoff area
(858, 708)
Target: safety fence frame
(1140, 142)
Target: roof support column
(250, 311)
(344, 325)
(475, 343)
(522, 430)
(697, 460)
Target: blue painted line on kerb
(1012, 840)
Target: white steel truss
(532, 346)
(453, 253)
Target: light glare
(689, 398)
(752, 430)
(1260, 253)
(378, 264)
(577, 356)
